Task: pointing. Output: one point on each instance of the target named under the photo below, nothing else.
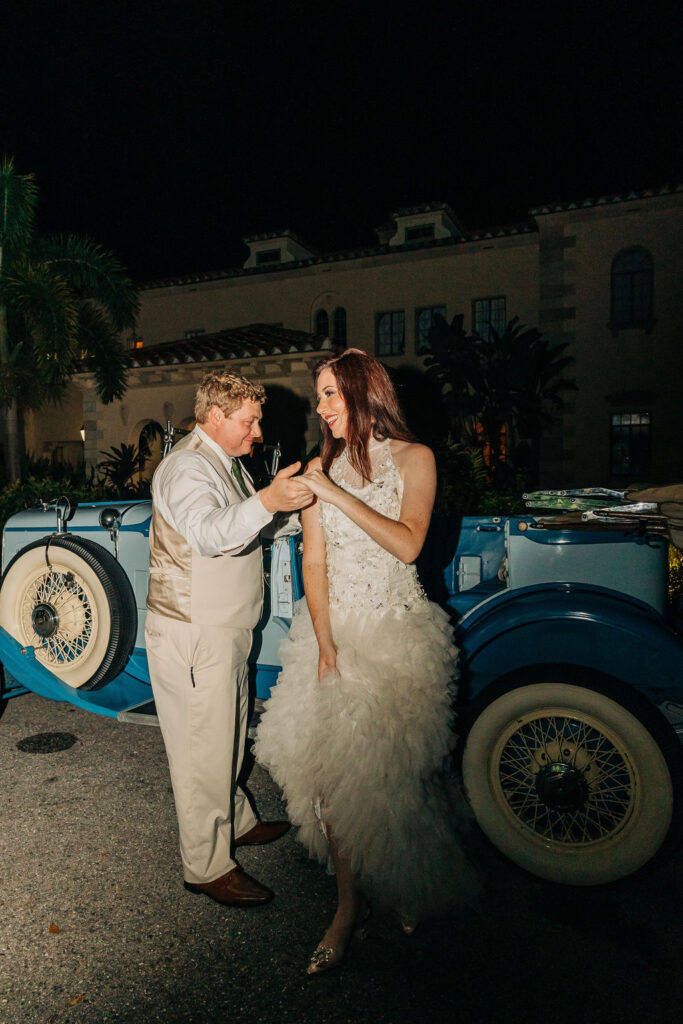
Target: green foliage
(63, 302)
(18, 198)
(33, 489)
(92, 273)
(46, 468)
(43, 480)
(675, 573)
(463, 484)
(119, 465)
(102, 353)
(498, 391)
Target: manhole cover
(47, 742)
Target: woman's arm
(316, 585)
(404, 536)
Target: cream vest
(223, 591)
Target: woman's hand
(327, 659)
(320, 484)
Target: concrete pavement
(96, 927)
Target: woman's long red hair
(372, 408)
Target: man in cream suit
(205, 596)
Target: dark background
(167, 131)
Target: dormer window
(426, 223)
(419, 232)
(268, 256)
(275, 250)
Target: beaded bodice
(361, 574)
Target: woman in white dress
(358, 730)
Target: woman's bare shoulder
(411, 453)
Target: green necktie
(237, 473)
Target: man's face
(237, 432)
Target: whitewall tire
(571, 784)
(70, 600)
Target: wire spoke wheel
(61, 614)
(564, 779)
(70, 600)
(569, 783)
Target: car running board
(140, 714)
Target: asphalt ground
(96, 927)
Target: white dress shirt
(192, 498)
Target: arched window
(339, 326)
(632, 278)
(322, 323)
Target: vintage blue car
(571, 684)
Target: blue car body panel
(122, 693)
(572, 624)
(519, 595)
(130, 688)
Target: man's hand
(285, 494)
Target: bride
(358, 729)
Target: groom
(204, 599)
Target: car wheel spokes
(564, 779)
(74, 617)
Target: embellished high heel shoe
(324, 958)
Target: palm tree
(500, 389)
(63, 300)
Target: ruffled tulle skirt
(364, 754)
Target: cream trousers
(199, 680)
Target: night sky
(168, 131)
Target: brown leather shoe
(263, 832)
(235, 889)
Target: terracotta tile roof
(235, 343)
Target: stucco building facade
(601, 274)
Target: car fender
(572, 624)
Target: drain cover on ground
(47, 742)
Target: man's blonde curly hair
(226, 390)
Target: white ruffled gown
(363, 752)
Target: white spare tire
(70, 600)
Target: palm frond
(102, 353)
(18, 198)
(50, 317)
(93, 272)
(120, 464)
(19, 381)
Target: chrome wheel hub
(44, 619)
(561, 787)
(58, 615)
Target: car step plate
(141, 714)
